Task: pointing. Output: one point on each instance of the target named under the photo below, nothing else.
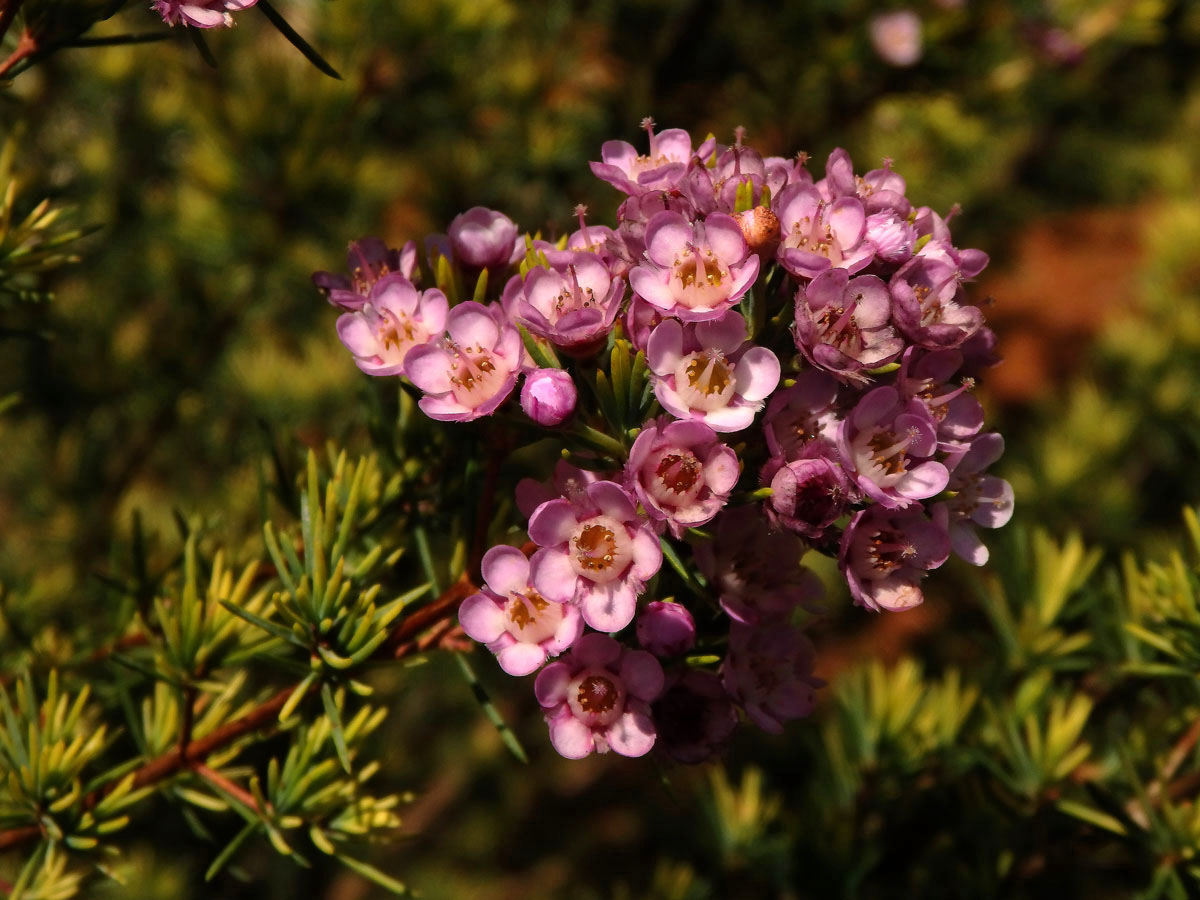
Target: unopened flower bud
(482, 237)
(666, 629)
(760, 228)
(896, 37)
(548, 396)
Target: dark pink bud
(482, 237)
(666, 629)
(548, 396)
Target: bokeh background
(188, 345)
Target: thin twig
(27, 45)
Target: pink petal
(608, 607)
(724, 236)
(726, 334)
(651, 285)
(357, 335)
(596, 651)
(967, 544)
(633, 733)
(923, 481)
(506, 570)
(642, 674)
(756, 374)
(552, 575)
(647, 554)
(571, 738)
(394, 292)
(664, 350)
(553, 523)
(666, 235)
(470, 324)
(433, 310)
(610, 498)
(670, 400)
(428, 367)
(874, 407)
(550, 688)
(521, 658)
(731, 418)
(848, 221)
(618, 153)
(481, 618)
(569, 630)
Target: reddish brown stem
(27, 45)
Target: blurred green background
(189, 341)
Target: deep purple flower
(597, 698)
(660, 169)
(481, 238)
(841, 324)
(515, 622)
(548, 396)
(807, 494)
(694, 270)
(596, 551)
(205, 14)
(368, 260)
(769, 671)
(708, 371)
(694, 716)
(472, 370)
(680, 472)
(819, 235)
(886, 553)
(803, 416)
(976, 499)
(896, 37)
(886, 445)
(394, 318)
(666, 629)
(572, 304)
(754, 569)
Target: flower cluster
(750, 365)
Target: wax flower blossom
(885, 554)
(512, 619)
(659, 170)
(597, 698)
(707, 371)
(470, 371)
(394, 318)
(694, 270)
(680, 472)
(572, 304)
(596, 551)
(747, 366)
(207, 14)
(369, 260)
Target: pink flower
(927, 376)
(807, 494)
(482, 237)
(368, 260)
(597, 698)
(708, 372)
(548, 396)
(925, 294)
(978, 499)
(394, 318)
(896, 37)
(694, 271)
(885, 554)
(206, 14)
(680, 472)
(568, 481)
(514, 620)
(660, 169)
(803, 417)
(756, 570)
(841, 324)
(886, 445)
(769, 671)
(595, 551)
(694, 716)
(572, 305)
(880, 190)
(666, 629)
(472, 370)
(819, 235)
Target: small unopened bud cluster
(799, 355)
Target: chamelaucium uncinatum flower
(748, 367)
